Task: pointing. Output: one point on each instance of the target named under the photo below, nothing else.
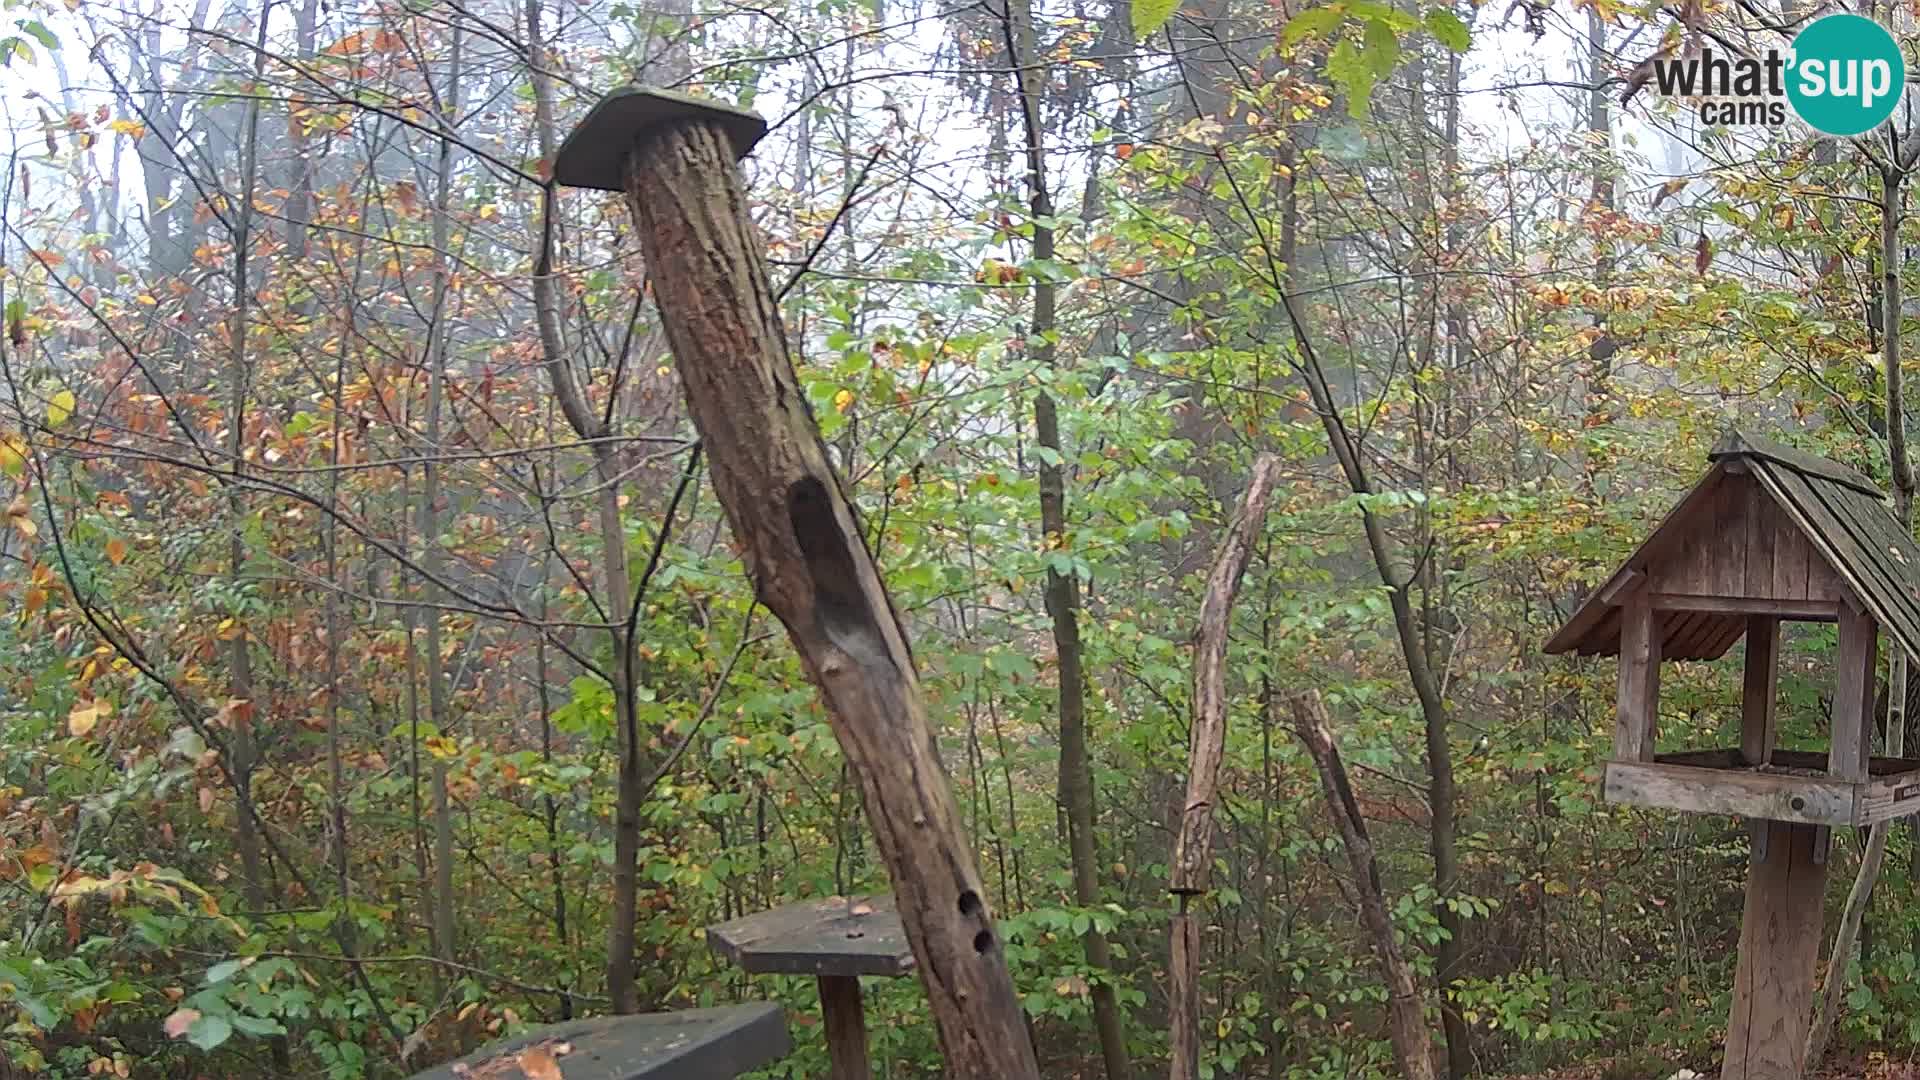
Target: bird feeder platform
(835, 940)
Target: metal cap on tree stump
(595, 153)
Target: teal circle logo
(1845, 74)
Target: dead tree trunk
(1406, 1021)
(1193, 847)
(803, 547)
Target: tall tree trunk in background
(445, 924)
(1063, 589)
(1406, 1015)
(239, 372)
(1428, 248)
(1192, 864)
(1833, 988)
(622, 926)
(1399, 582)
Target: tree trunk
(445, 924)
(622, 926)
(1833, 989)
(802, 544)
(1193, 846)
(1062, 589)
(1406, 1020)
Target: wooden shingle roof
(1767, 522)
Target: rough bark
(803, 547)
(1405, 1017)
(1193, 846)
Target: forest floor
(1853, 1067)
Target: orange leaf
(177, 1024)
(1123, 151)
(538, 1064)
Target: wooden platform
(850, 936)
(1793, 787)
(693, 1044)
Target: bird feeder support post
(802, 542)
(846, 1024)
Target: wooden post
(1779, 951)
(1852, 739)
(804, 546)
(1637, 723)
(1757, 713)
(846, 1027)
(1192, 869)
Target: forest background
(377, 675)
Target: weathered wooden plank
(1725, 538)
(1779, 950)
(1790, 551)
(694, 1044)
(1757, 690)
(1659, 785)
(1760, 517)
(1799, 610)
(1635, 727)
(1853, 696)
(834, 936)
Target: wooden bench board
(692, 1044)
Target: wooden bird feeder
(1769, 534)
(836, 941)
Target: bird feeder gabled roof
(1771, 528)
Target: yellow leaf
(13, 456)
(59, 408)
(84, 716)
(132, 129)
(843, 401)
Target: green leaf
(1448, 30)
(40, 33)
(1380, 48)
(1151, 15)
(209, 1032)
(224, 970)
(1317, 21)
(1355, 77)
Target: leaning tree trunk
(803, 546)
(1193, 847)
(1406, 1018)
